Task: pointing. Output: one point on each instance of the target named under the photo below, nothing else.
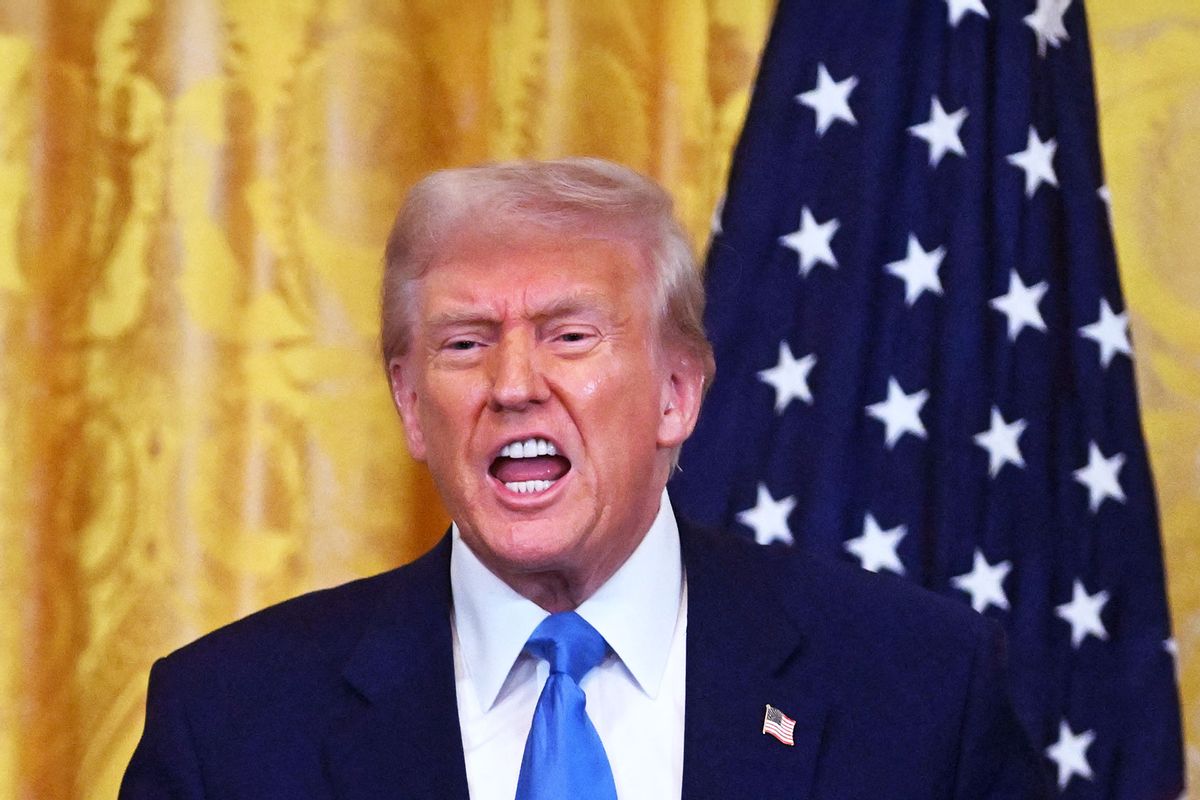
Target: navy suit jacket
(349, 693)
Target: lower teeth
(525, 487)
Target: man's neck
(635, 609)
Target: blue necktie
(564, 756)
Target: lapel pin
(779, 725)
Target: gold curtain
(193, 199)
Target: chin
(536, 546)
(538, 554)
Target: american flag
(923, 354)
(779, 725)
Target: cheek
(625, 402)
(454, 394)
(449, 431)
(583, 383)
(625, 377)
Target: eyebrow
(450, 319)
(581, 302)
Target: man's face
(540, 395)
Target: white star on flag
(957, 9)
(919, 270)
(940, 132)
(1000, 441)
(714, 225)
(768, 518)
(876, 548)
(789, 377)
(811, 241)
(900, 413)
(830, 99)
(1020, 305)
(1171, 648)
(1070, 754)
(1111, 332)
(1037, 161)
(985, 583)
(1083, 614)
(1100, 477)
(1047, 23)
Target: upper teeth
(528, 449)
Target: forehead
(525, 275)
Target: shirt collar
(635, 611)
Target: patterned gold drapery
(193, 198)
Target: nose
(517, 379)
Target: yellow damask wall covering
(193, 199)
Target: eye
(462, 347)
(574, 339)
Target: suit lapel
(743, 652)
(399, 734)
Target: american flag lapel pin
(779, 725)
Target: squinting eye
(462, 344)
(574, 336)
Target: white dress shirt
(634, 697)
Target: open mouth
(529, 466)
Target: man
(542, 335)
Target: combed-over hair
(530, 200)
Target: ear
(682, 391)
(404, 396)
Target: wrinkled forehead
(484, 229)
(594, 282)
(465, 239)
(572, 253)
(538, 267)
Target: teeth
(527, 487)
(528, 449)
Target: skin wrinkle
(494, 366)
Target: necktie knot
(570, 645)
